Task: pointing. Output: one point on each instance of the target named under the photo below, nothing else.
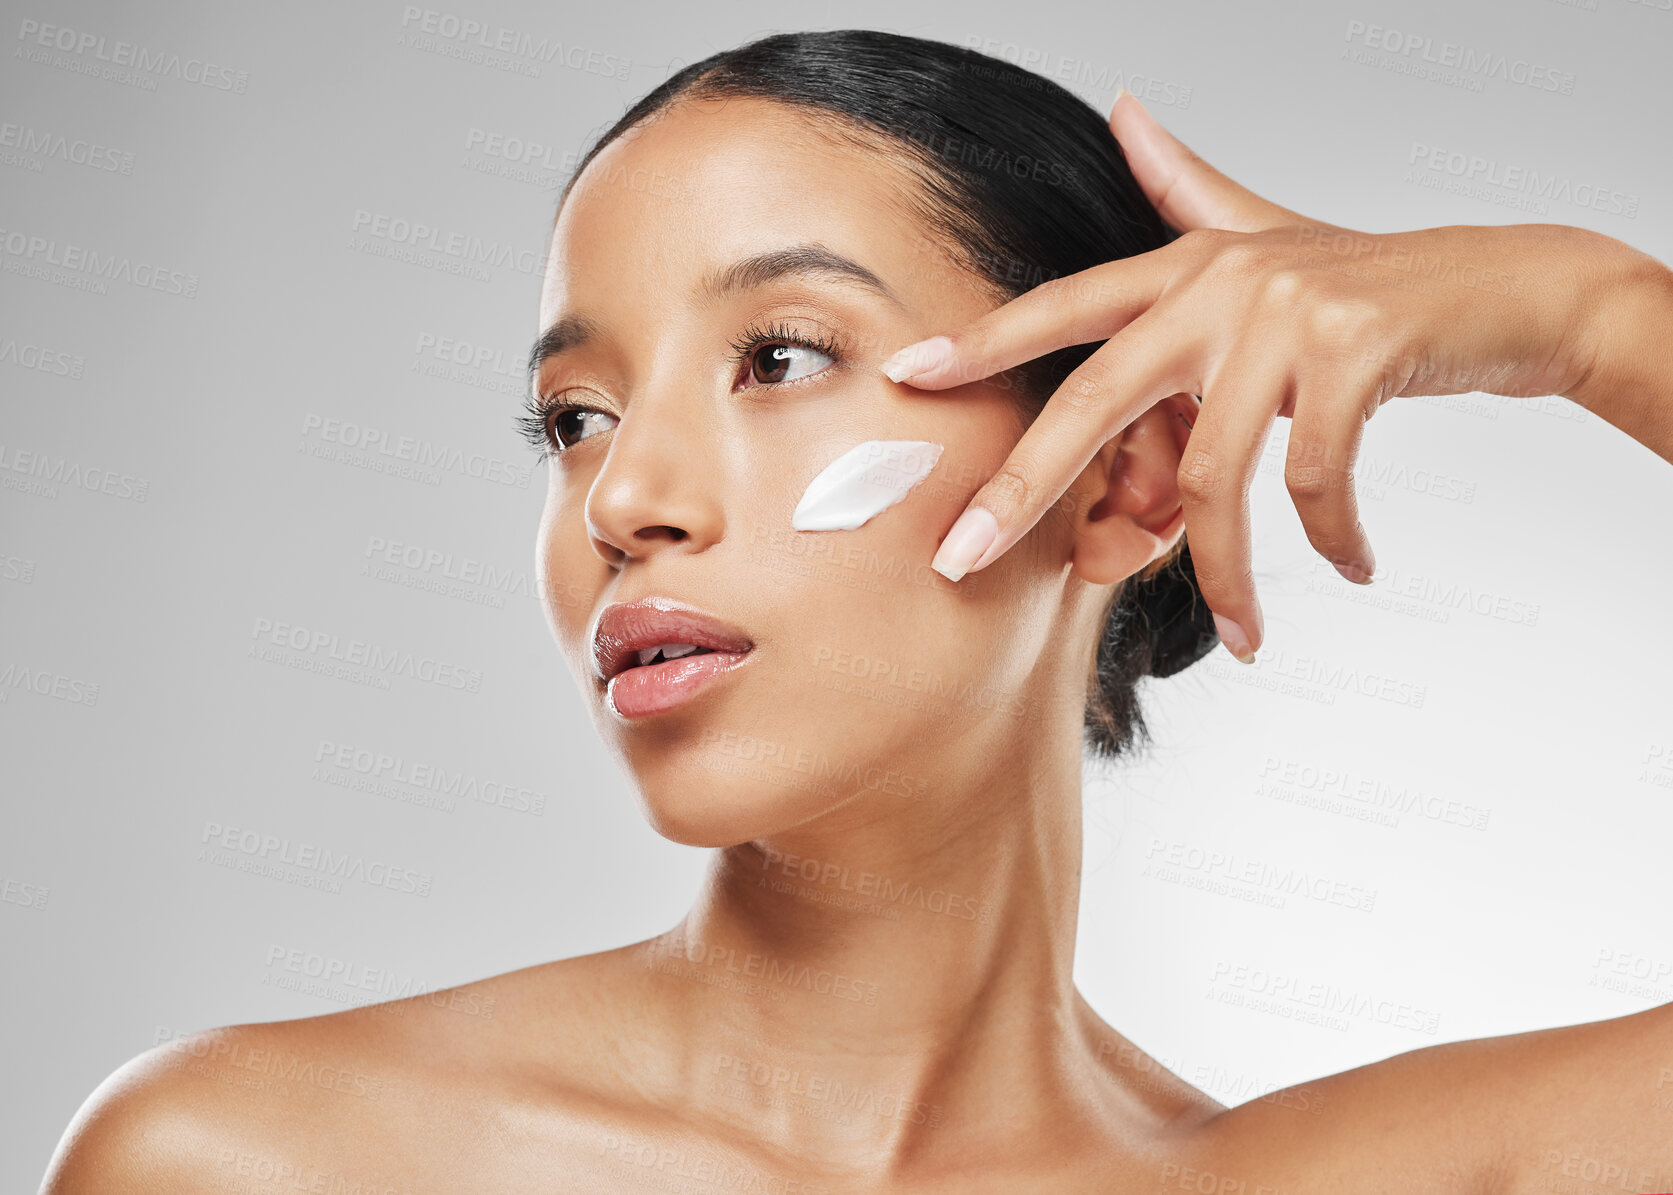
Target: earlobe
(1114, 551)
(1131, 512)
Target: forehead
(710, 182)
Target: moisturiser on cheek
(865, 480)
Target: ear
(1129, 512)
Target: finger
(1187, 191)
(1080, 308)
(1239, 405)
(1120, 381)
(1318, 472)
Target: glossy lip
(657, 688)
(623, 629)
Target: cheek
(870, 590)
(568, 572)
(836, 457)
(864, 482)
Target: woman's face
(873, 683)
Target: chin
(711, 798)
(718, 814)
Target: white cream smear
(862, 482)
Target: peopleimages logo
(46, 683)
(358, 444)
(385, 661)
(466, 246)
(1491, 172)
(484, 42)
(56, 362)
(48, 471)
(379, 768)
(147, 64)
(79, 152)
(1421, 50)
(268, 854)
(39, 252)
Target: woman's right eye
(552, 428)
(573, 424)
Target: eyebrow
(573, 331)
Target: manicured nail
(1358, 573)
(1233, 637)
(914, 359)
(972, 535)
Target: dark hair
(1023, 182)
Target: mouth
(656, 653)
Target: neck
(887, 969)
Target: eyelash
(755, 337)
(536, 423)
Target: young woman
(873, 990)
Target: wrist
(1619, 365)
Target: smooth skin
(874, 988)
(1264, 312)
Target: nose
(658, 489)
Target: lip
(623, 629)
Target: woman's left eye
(774, 363)
(777, 353)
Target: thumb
(1184, 189)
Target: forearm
(1625, 372)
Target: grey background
(1479, 745)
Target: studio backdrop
(267, 585)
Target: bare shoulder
(1167, 1100)
(1592, 1102)
(1536, 1111)
(178, 1117)
(354, 1097)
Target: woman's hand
(1263, 312)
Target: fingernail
(972, 535)
(1358, 573)
(1362, 567)
(1234, 638)
(914, 359)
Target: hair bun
(1177, 620)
